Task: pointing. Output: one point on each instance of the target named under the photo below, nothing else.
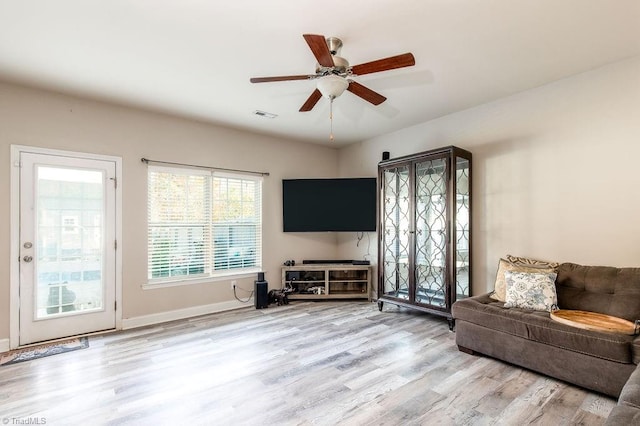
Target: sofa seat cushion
(538, 326)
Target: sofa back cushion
(604, 289)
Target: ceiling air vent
(265, 114)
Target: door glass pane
(431, 232)
(70, 234)
(462, 227)
(396, 224)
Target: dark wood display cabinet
(424, 252)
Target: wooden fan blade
(393, 62)
(320, 50)
(366, 93)
(281, 78)
(312, 101)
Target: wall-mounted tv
(320, 205)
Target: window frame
(210, 274)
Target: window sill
(204, 280)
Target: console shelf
(327, 281)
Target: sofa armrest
(623, 415)
(627, 412)
(630, 395)
(635, 356)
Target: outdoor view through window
(202, 223)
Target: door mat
(35, 352)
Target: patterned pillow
(533, 263)
(518, 264)
(535, 291)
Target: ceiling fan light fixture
(333, 72)
(331, 86)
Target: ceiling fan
(334, 72)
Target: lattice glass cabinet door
(396, 223)
(425, 233)
(431, 232)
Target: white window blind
(202, 223)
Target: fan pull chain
(331, 119)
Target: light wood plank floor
(306, 363)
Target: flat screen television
(321, 205)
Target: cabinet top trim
(444, 150)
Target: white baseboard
(152, 319)
(4, 345)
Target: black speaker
(261, 294)
(260, 276)
(385, 155)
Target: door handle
(27, 258)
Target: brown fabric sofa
(598, 361)
(627, 412)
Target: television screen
(318, 205)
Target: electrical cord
(359, 238)
(240, 300)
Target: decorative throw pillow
(535, 291)
(533, 263)
(518, 264)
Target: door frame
(14, 264)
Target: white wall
(38, 118)
(554, 176)
(555, 170)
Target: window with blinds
(202, 223)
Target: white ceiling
(194, 58)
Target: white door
(67, 250)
